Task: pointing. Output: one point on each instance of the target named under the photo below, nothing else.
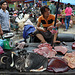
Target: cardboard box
(73, 22)
(73, 18)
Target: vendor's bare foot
(57, 42)
(65, 30)
(43, 42)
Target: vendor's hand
(1, 32)
(44, 30)
(50, 28)
(41, 29)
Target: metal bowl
(8, 35)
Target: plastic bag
(1, 43)
(1, 50)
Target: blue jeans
(67, 21)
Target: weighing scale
(8, 43)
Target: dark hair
(52, 1)
(68, 4)
(3, 1)
(43, 9)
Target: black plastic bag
(5, 61)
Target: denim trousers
(67, 21)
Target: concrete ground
(69, 31)
(19, 36)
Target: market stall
(29, 49)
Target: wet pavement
(69, 31)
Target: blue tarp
(72, 2)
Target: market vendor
(43, 33)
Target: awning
(28, 1)
(17, 0)
(72, 2)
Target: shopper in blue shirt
(4, 18)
